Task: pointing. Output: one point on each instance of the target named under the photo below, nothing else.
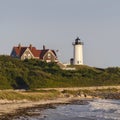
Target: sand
(7, 107)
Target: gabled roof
(43, 52)
(36, 53)
(19, 51)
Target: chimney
(30, 46)
(19, 46)
(43, 47)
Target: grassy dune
(37, 95)
(28, 95)
(32, 74)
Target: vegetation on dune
(30, 74)
(31, 96)
(36, 95)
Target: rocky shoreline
(26, 112)
(10, 109)
(29, 111)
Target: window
(29, 56)
(49, 55)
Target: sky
(57, 23)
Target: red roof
(19, 51)
(36, 53)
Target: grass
(28, 95)
(42, 94)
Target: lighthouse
(78, 52)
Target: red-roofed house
(31, 52)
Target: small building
(30, 52)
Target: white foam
(104, 105)
(97, 109)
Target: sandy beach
(8, 108)
(12, 106)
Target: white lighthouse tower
(78, 52)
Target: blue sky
(56, 23)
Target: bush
(29, 74)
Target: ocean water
(95, 110)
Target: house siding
(27, 55)
(49, 57)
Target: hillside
(29, 74)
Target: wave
(95, 110)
